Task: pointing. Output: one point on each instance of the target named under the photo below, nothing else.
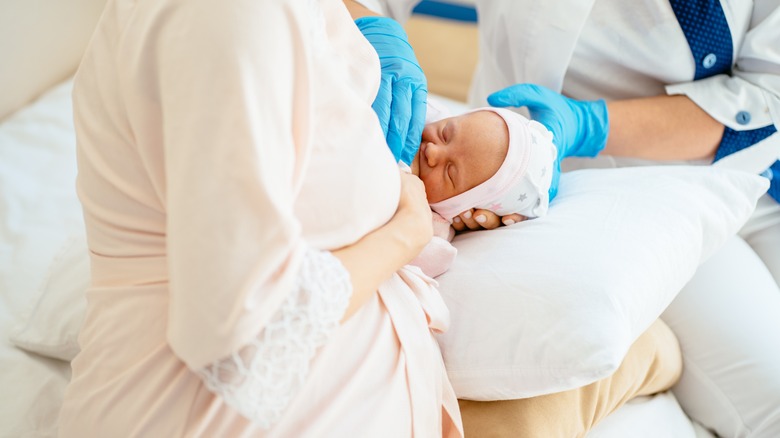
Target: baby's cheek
(432, 191)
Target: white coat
(609, 49)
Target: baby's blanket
(439, 253)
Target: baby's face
(459, 153)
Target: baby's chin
(416, 165)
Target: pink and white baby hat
(521, 185)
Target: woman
(683, 80)
(240, 286)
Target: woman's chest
(351, 183)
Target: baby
(487, 158)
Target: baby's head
(488, 158)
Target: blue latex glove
(579, 128)
(401, 101)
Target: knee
(661, 347)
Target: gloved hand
(579, 128)
(403, 92)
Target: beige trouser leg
(652, 364)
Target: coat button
(743, 117)
(709, 60)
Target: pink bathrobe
(223, 148)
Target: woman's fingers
(512, 219)
(476, 220)
(468, 220)
(483, 219)
(486, 219)
(458, 224)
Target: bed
(43, 256)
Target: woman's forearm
(374, 258)
(662, 128)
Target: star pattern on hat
(544, 170)
(496, 206)
(522, 197)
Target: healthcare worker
(691, 81)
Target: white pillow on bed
(542, 306)
(554, 303)
(52, 323)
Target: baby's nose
(433, 154)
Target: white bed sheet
(39, 212)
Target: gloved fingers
(401, 101)
(416, 124)
(486, 219)
(518, 95)
(383, 101)
(543, 104)
(380, 25)
(400, 115)
(512, 219)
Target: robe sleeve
(250, 301)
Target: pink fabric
(522, 182)
(201, 162)
(438, 255)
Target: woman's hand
(483, 220)
(380, 253)
(413, 217)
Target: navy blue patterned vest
(707, 31)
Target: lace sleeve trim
(261, 378)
